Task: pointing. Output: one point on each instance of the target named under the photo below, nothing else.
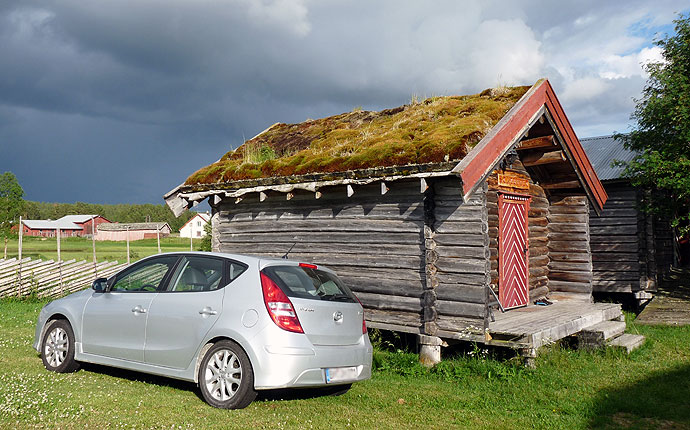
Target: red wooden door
(513, 254)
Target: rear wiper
(337, 297)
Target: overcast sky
(119, 101)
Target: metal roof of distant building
(132, 226)
(602, 151)
(42, 224)
(77, 218)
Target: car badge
(338, 316)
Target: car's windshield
(309, 283)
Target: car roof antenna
(285, 257)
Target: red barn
(69, 225)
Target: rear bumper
(305, 365)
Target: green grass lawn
(569, 389)
(81, 248)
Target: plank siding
(374, 242)
(570, 265)
(619, 248)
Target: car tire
(57, 347)
(226, 378)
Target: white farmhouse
(195, 226)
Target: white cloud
(505, 52)
(583, 89)
(625, 66)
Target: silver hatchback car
(234, 324)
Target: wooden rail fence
(50, 278)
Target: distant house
(195, 226)
(133, 231)
(69, 225)
(631, 249)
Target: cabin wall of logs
(458, 241)
(570, 265)
(416, 257)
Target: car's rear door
(181, 315)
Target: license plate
(340, 374)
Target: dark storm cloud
(141, 94)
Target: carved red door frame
(513, 250)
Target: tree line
(112, 212)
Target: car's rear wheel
(226, 378)
(57, 348)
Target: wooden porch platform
(534, 326)
(671, 305)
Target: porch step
(627, 341)
(595, 336)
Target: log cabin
(447, 217)
(631, 249)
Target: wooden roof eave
(184, 196)
(504, 136)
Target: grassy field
(81, 248)
(569, 390)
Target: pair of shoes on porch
(543, 302)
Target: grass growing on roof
(431, 131)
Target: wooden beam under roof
(537, 142)
(538, 158)
(560, 185)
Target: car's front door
(181, 316)
(114, 322)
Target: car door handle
(208, 311)
(138, 309)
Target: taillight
(364, 321)
(308, 266)
(279, 306)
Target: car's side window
(146, 276)
(235, 270)
(195, 273)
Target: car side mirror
(100, 285)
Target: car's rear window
(307, 283)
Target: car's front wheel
(226, 378)
(57, 348)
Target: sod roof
(436, 130)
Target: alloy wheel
(223, 375)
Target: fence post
(158, 236)
(19, 245)
(62, 290)
(191, 238)
(93, 243)
(127, 245)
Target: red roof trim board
(479, 163)
(574, 146)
